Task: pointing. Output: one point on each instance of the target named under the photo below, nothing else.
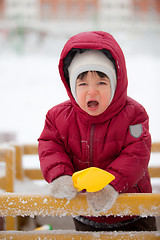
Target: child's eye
(81, 84)
(102, 83)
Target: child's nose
(92, 90)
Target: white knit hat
(91, 60)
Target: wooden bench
(34, 204)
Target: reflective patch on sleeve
(136, 130)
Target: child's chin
(93, 113)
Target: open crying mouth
(92, 104)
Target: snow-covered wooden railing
(34, 204)
(73, 235)
(137, 201)
(15, 204)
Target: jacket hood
(103, 41)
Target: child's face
(93, 92)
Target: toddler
(99, 126)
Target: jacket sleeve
(54, 160)
(132, 163)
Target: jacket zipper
(91, 145)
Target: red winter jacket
(117, 140)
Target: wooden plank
(19, 164)
(30, 149)
(155, 147)
(10, 170)
(10, 223)
(71, 234)
(3, 183)
(13, 204)
(33, 174)
(8, 156)
(154, 172)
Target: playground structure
(14, 204)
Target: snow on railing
(74, 235)
(13, 204)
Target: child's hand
(62, 187)
(103, 199)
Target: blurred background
(32, 35)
